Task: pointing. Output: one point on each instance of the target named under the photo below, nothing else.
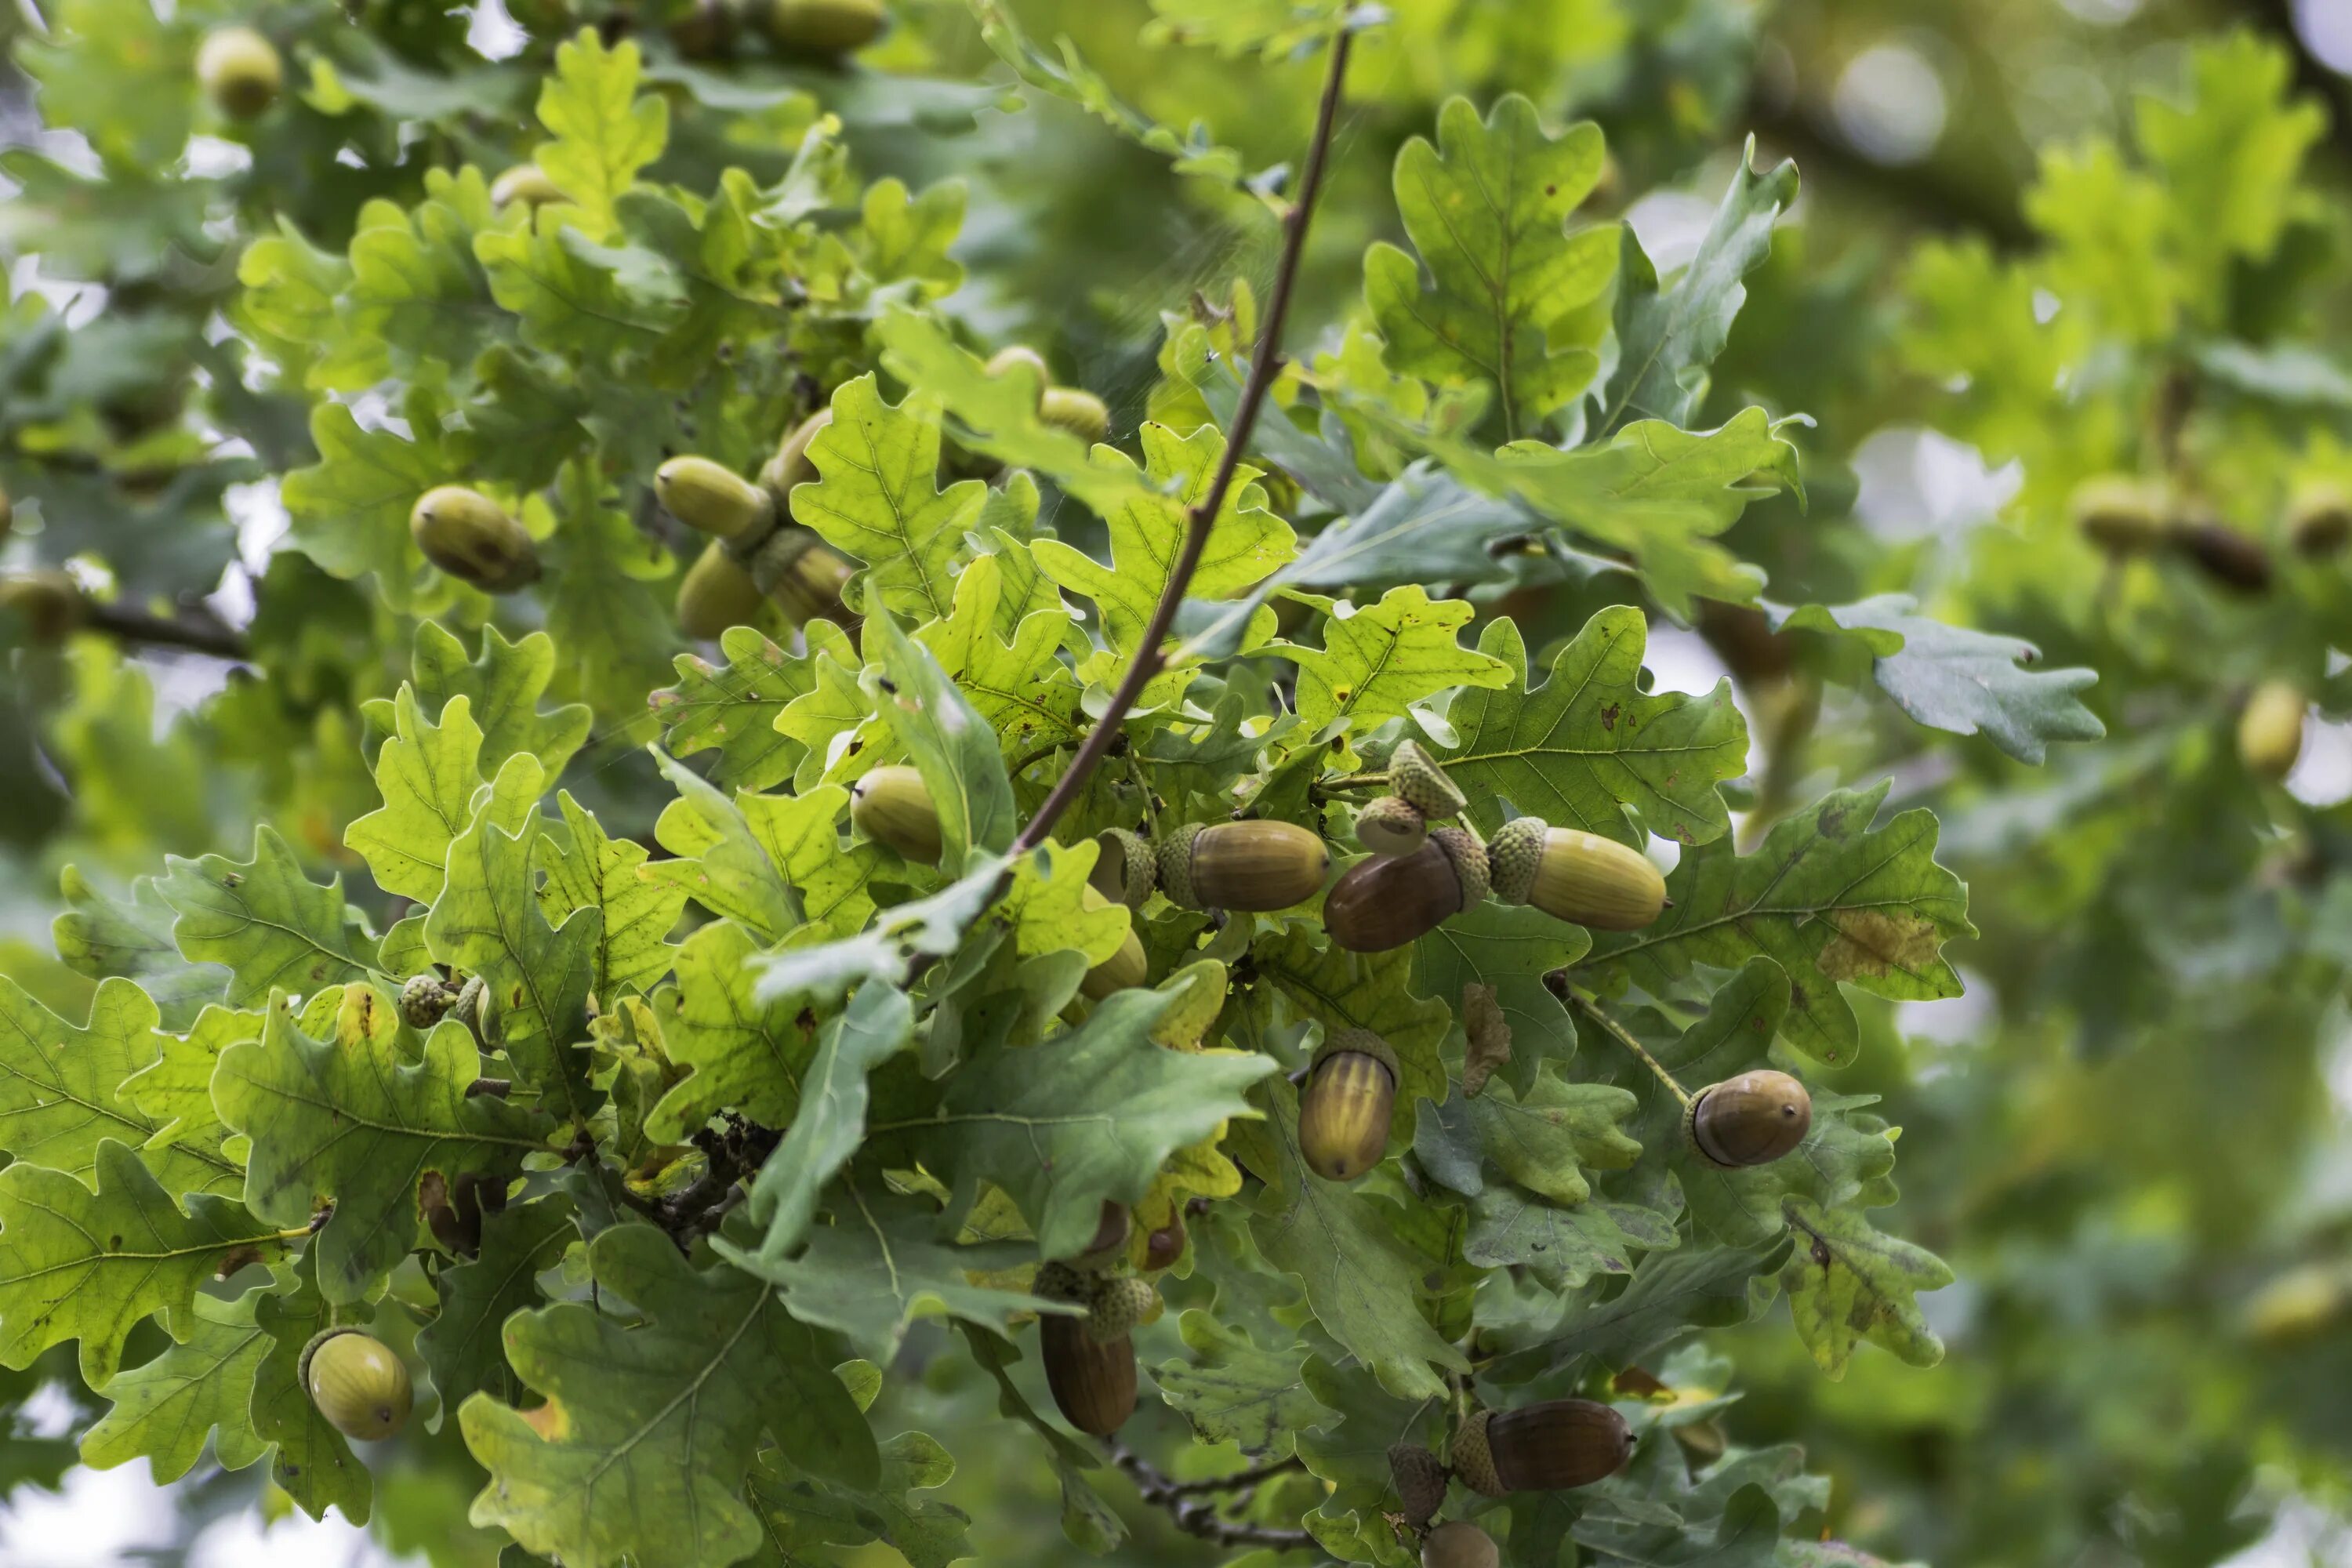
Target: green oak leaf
(271, 926)
(427, 774)
(602, 607)
(1747, 1534)
(1027, 695)
(462, 1344)
(719, 859)
(1372, 991)
(598, 305)
(1376, 663)
(732, 710)
(1487, 210)
(1561, 1243)
(596, 871)
(1046, 904)
(1827, 897)
(167, 1408)
(100, 936)
(950, 742)
(350, 508)
(899, 936)
(91, 1265)
(417, 297)
(357, 1117)
(1233, 1391)
(176, 1091)
(1846, 1283)
(601, 132)
(1508, 949)
(1589, 744)
(736, 1052)
(1542, 1142)
(1672, 1294)
(835, 705)
(639, 1453)
(925, 1532)
(878, 498)
(502, 689)
(313, 1464)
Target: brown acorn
(240, 71)
(1752, 1120)
(1349, 1100)
(1556, 1444)
(892, 806)
(1390, 824)
(1122, 971)
(1112, 1228)
(1164, 1246)
(2121, 514)
(47, 606)
(716, 594)
(526, 184)
(1093, 1383)
(1420, 1478)
(1458, 1543)
(714, 499)
(1581, 877)
(1077, 410)
(357, 1383)
(2270, 729)
(792, 465)
(1389, 901)
(2233, 559)
(1252, 867)
(470, 536)
(2319, 518)
(1126, 870)
(824, 26)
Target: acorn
(470, 536)
(705, 31)
(1165, 1245)
(1386, 902)
(357, 1383)
(1458, 1543)
(2298, 1305)
(1420, 1478)
(716, 594)
(792, 465)
(1552, 1447)
(713, 500)
(1126, 870)
(1581, 877)
(525, 182)
(1249, 867)
(1390, 824)
(2319, 518)
(1092, 1381)
(824, 26)
(47, 606)
(1414, 775)
(1122, 971)
(1117, 1305)
(240, 71)
(1351, 1098)
(812, 588)
(2270, 729)
(2121, 514)
(1019, 356)
(1750, 1120)
(2231, 558)
(892, 806)
(1077, 410)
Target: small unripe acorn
(811, 589)
(1092, 1381)
(2120, 514)
(240, 71)
(1414, 775)
(1581, 877)
(1420, 1478)
(1554, 1446)
(358, 1384)
(2270, 729)
(1077, 410)
(1003, 361)
(1126, 869)
(1386, 902)
(792, 465)
(1351, 1098)
(2231, 558)
(1117, 1305)
(1390, 824)
(2319, 518)
(712, 499)
(470, 536)
(1252, 867)
(1164, 1246)
(1122, 971)
(824, 26)
(49, 606)
(1458, 1543)
(716, 594)
(1752, 1120)
(893, 806)
(526, 184)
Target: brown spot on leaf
(1489, 1033)
(1609, 716)
(1871, 942)
(548, 1420)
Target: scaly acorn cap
(1122, 971)
(716, 594)
(712, 499)
(792, 465)
(1512, 856)
(470, 536)
(1414, 775)
(1390, 824)
(2319, 518)
(1470, 864)
(1017, 357)
(1077, 410)
(893, 806)
(1752, 1120)
(1472, 1459)
(240, 71)
(1420, 1478)
(1588, 880)
(1458, 1543)
(1250, 868)
(1348, 1105)
(1057, 1281)
(824, 26)
(526, 184)
(1117, 1306)
(1126, 866)
(2270, 729)
(357, 1383)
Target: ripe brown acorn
(1126, 869)
(2270, 729)
(1077, 410)
(1092, 1381)
(47, 606)
(1752, 1120)
(1123, 970)
(824, 26)
(1251, 868)
(2319, 518)
(357, 1383)
(713, 498)
(1581, 877)
(892, 806)
(240, 71)
(2231, 558)
(2121, 514)
(1388, 901)
(1551, 1447)
(1458, 1543)
(470, 536)
(1349, 1100)
(716, 594)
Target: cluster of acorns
(1089, 1358)
(2127, 516)
(1556, 1446)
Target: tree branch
(1149, 659)
(207, 635)
(1190, 1505)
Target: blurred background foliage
(2039, 240)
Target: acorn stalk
(1752, 1120)
(892, 806)
(357, 1383)
(1581, 877)
(1247, 866)
(1349, 1103)
(1389, 901)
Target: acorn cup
(1122, 971)
(2270, 729)
(1415, 777)
(2228, 557)
(357, 1383)
(1390, 824)
(711, 498)
(1388, 901)
(1351, 1098)
(1420, 1478)
(526, 184)
(1126, 869)
(47, 606)
(792, 465)
(470, 537)
(1752, 1120)
(1251, 868)
(2319, 519)
(240, 71)
(2121, 514)
(1556, 1446)
(1581, 877)
(892, 806)
(1116, 1305)
(1458, 1543)
(824, 26)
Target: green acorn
(2319, 518)
(714, 499)
(1386, 902)
(1414, 775)
(716, 594)
(1581, 877)
(1126, 869)
(470, 537)
(791, 464)
(1247, 866)
(526, 184)
(1752, 1120)
(893, 806)
(813, 587)
(1390, 824)
(1079, 412)
(240, 71)
(1117, 1305)
(357, 1383)
(1018, 357)
(1349, 1100)
(1458, 1543)
(824, 26)
(1420, 1478)
(47, 606)
(1122, 971)
(2121, 514)
(2270, 729)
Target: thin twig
(205, 635)
(1203, 517)
(1589, 1005)
(1193, 1508)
